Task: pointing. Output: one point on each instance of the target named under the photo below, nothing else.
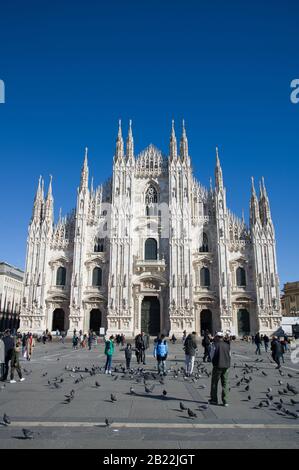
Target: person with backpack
(109, 350)
(221, 363)
(160, 353)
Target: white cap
(220, 334)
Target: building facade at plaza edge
(151, 250)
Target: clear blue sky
(72, 68)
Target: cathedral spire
(184, 152)
(84, 172)
(38, 202)
(119, 151)
(130, 143)
(173, 151)
(49, 207)
(254, 205)
(218, 173)
(265, 212)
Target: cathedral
(151, 250)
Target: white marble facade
(151, 249)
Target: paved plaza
(147, 420)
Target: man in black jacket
(9, 345)
(221, 365)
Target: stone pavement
(145, 420)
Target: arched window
(205, 280)
(150, 249)
(61, 276)
(97, 277)
(205, 244)
(241, 277)
(99, 245)
(151, 199)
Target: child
(128, 355)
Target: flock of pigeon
(279, 398)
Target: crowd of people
(216, 350)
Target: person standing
(160, 353)
(276, 351)
(2, 357)
(258, 342)
(266, 340)
(128, 355)
(8, 350)
(29, 346)
(221, 363)
(90, 340)
(141, 344)
(109, 350)
(190, 347)
(15, 362)
(206, 344)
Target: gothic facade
(152, 250)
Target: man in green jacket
(109, 350)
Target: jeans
(15, 365)
(206, 354)
(266, 347)
(161, 366)
(222, 374)
(108, 363)
(258, 349)
(128, 362)
(189, 362)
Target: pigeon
(205, 406)
(61, 380)
(264, 373)
(44, 375)
(290, 376)
(182, 406)
(292, 389)
(56, 385)
(280, 382)
(113, 398)
(249, 397)
(294, 402)
(191, 413)
(107, 422)
(269, 389)
(97, 384)
(6, 419)
(247, 388)
(164, 393)
(27, 433)
(116, 377)
(132, 391)
(294, 414)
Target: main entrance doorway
(58, 320)
(243, 322)
(95, 321)
(150, 316)
(206, 321)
